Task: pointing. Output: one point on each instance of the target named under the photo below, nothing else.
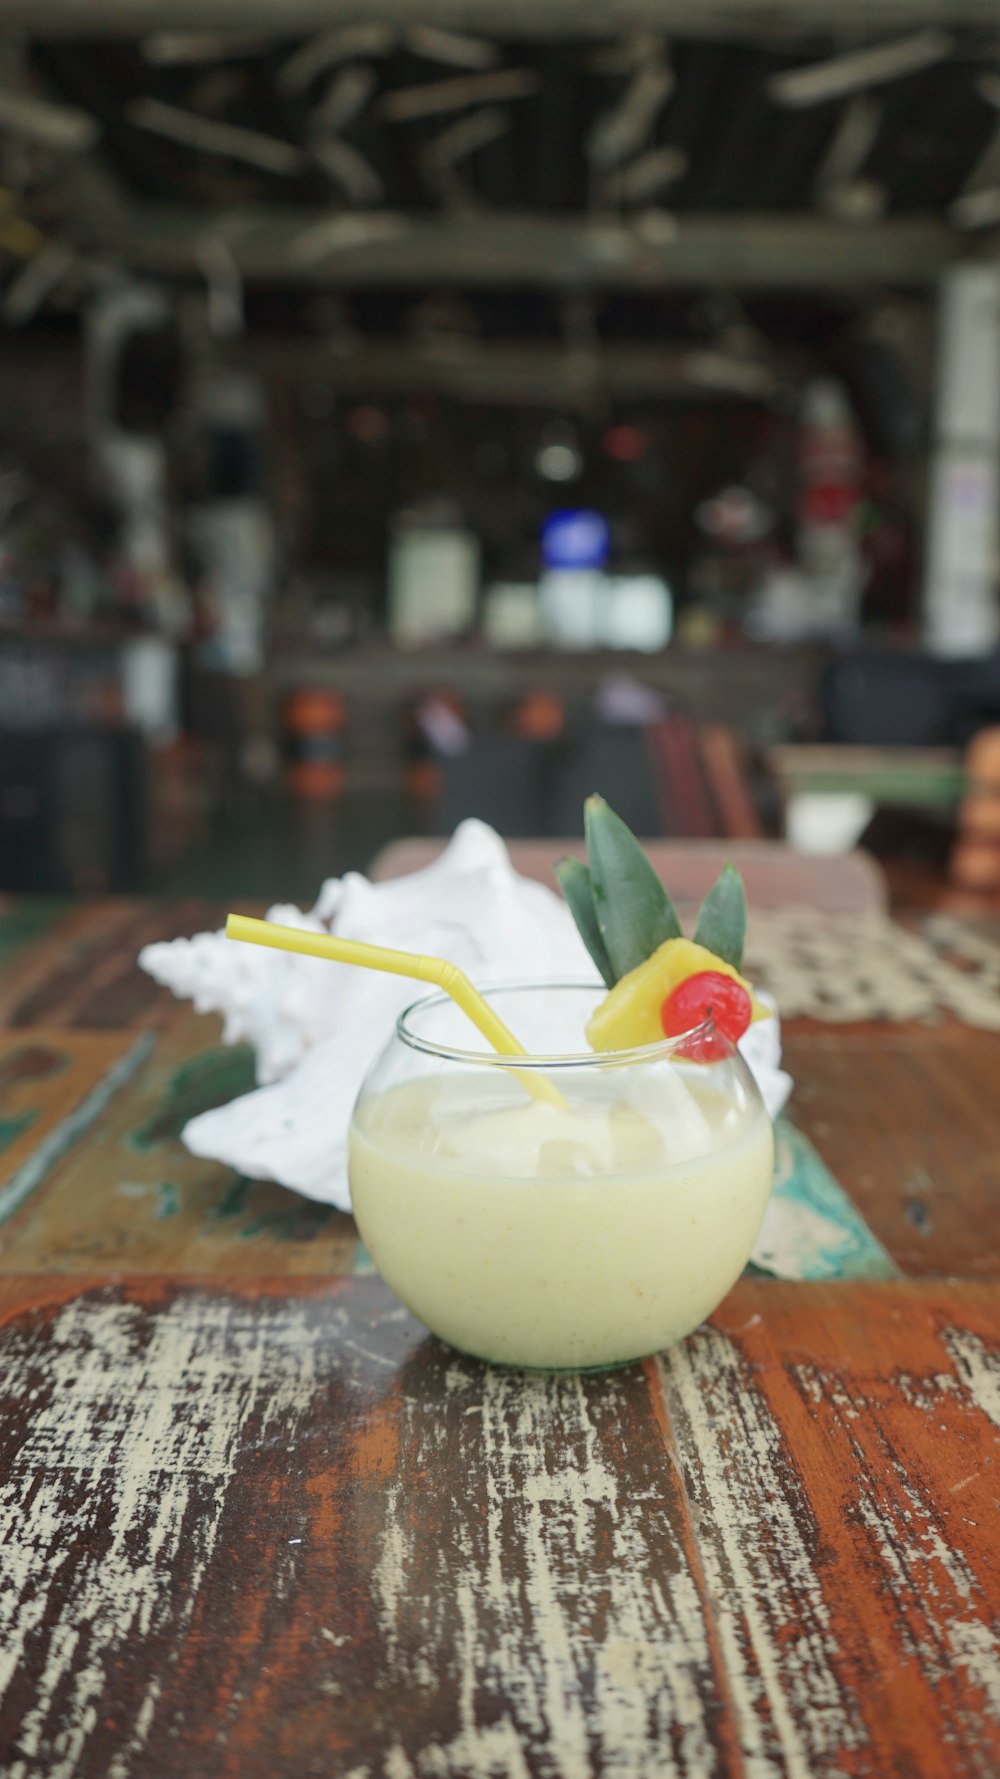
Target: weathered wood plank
(24, 919)
(59, 955)
(840, 1445)
(132, 1198)
(31, 928)
(84, 972)
(277, 1530)
(754, 249)
(43, 1076)
(907, 1118)
(53, 1088)
(811, 1229)
(774, 875)
(398, 1560)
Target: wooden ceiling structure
(576, 148)
(865, 19)
(561, 143)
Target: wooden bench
(774, 875)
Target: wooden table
(254, 1523)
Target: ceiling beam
(746, 251)
(518, 370)
(863, 19)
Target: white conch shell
(316, 1027)
(284, 1005)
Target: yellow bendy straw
(398, 963)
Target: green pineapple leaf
(634, 913)
(722, 918)
(574, 881)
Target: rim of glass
(663, 1048)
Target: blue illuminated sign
(575, 538)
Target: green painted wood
(813, 1230)
(364, 1266)
(943, 788)
(25, 1180)
(212, 1078)
(25, 920)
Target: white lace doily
(843, 967)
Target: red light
(626, 444)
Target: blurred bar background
(416, 412)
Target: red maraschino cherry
(708, 994)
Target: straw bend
(436, 970)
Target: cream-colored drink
(534, 1235)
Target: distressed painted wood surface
(23, 921)
(44, 1077)
(811, 1229)
(127, 1195)
(80, 970)
(276, 1530)
(111, 1186)
(92, 1175)
(268, 1527)
(906, 1117)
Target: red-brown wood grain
(272, 1529)
(257, 1523)
(841, 1451)
(83, 970)
(907, 1118)
(44, 1076)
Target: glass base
(546, 1370)
(572, 1370)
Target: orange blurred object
(540, 716)
(976, 866)
(315, 721)
(975, 860)
(423, 780)
(984, 754)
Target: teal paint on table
(812, 1230)
(23, 921)
(364, 1266)
(300, 1221)
(168, 1199)
(62, 1136)
(11, 1128)
(212, 1078)
(235, 1200)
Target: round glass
(565, 1209)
